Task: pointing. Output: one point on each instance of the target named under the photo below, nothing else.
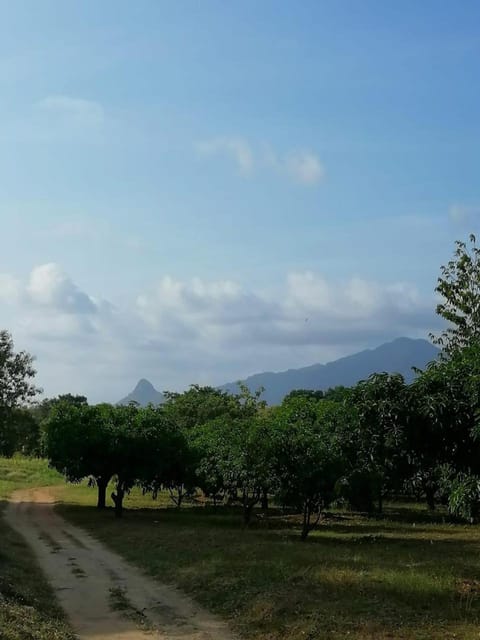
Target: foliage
(443, 402)
(169, 459)
(208, 442)
(199, 405)
(462, 491)
(308, 394)
(234, 453)
(307, 454)
(382, 412)
(459, 286)
(78, 443)
(16, 388)
(41, 410)
(20, 433)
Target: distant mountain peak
(144, 384)
(144, 393)
(397, 356)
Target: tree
(310, 394)
(208, 444)
(459, 286)
(27, 432)
(248, 466)
(130, 451)
(443, 432)
(233, 453)
(307, 456)
(41, 410)
(381, 406)
(16, 388)
(78, 440)
(442, 406)
(199, 405)
(170, 461)
(134, 446)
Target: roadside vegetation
(28, 607)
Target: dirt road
(93, 583)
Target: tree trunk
(380, 498)
(247, 513)
(430, 497)
(118, 501)
(248, 504)
(102, 484)
(265, 500)
(176, 495)
(429, 491)
(306, 521)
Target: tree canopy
(459, 287)
(16, 388)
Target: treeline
(382, 438)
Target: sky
(192, 192)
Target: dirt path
(92, 582)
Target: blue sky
(195, 191)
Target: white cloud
(301, 166)
(304, 167)
(178, 332)
(461, 213)
(49, 286)
(76, 109)
(236, 148)
(308, 310)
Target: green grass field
(407, 576)
(28, 609)
(21, 473)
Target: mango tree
(16, 389)
(77, 440)
(443, 435)
(307, 457)
(382, 410)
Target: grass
(28, 608)
(407, 576)
(20, 473)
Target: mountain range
(398, 356)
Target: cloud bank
(178, 332)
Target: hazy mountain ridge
(399, 356)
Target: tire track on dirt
(104, 597)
